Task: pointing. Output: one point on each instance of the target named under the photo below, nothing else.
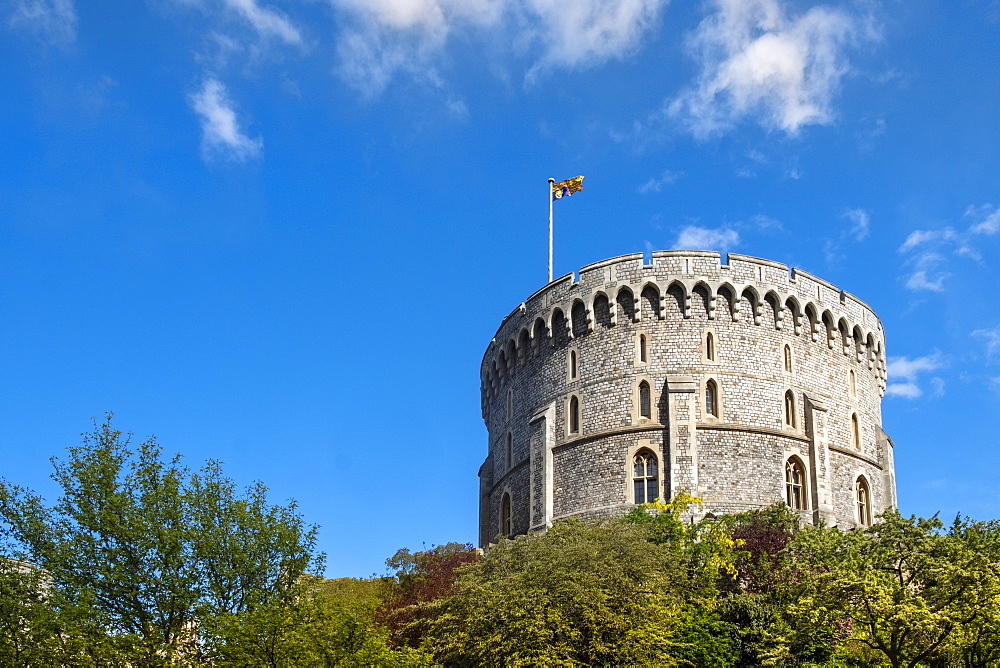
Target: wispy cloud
(222, 138)
(861, 220)
(51, 21)
(385, 39)
(657, 183)
(986, 217)
(927, 251)
(860, 227)
(760, 62)
(267, 22)
(991, 337)
(908, 370)
(693, 237)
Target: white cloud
(585, 32)
(988, 218)
(928, 249)
(656, 184)
(388, 38)
(758, 61)
(52, 21)
(908, 370)
(992, 338)
(862, 223)
(921, 280)
(267, 22)
(904, 390)
(920, 237)
(222, 137)
(702, 238)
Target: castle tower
(744, 383)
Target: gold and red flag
(567, 187)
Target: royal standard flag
(567, 187)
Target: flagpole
(551, 181)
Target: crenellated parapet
(677, 284)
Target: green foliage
(140, 552)
(707, 549)
(419, 580)
(578, 594)
(907, 586)
(315, 628)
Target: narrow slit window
(789, 409)
(572, 364)
(505, 519)
(642, 348)
(855, 432)
(645, 407)
(710, 347)
(788, 358)
(509, 452)
(853, 383)
(574, 415)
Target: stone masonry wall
(734, 460)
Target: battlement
(675, 284)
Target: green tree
(419, 580)
(578, 594)
(145, 550)
(906, 586)
(317, 627)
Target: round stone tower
(745, 383)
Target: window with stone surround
(711, 399)
(510, 404)
(574, 365)
(505, 516)
(645, 477)
(853, 384)
(643, 349)
(645, 401)
(862, 497)
(795, 484)
(508, 453)
(573, 416)
(789, 411)
(710, 347)
(855, 432)
(788, 358)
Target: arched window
(510, 404)
(642, 348)
(710, 347)
(508, 456)
(711, 399)
(505, 522)
(863, 497)
(788, 358)
(572, 365)
(795, 484)
(645, 479)
(853, 383)
(645, 407)
(789, 409)
(574, 415)
(855, 432)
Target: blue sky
(281, 234)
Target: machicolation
(744, 383)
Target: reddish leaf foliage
(421, 578)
